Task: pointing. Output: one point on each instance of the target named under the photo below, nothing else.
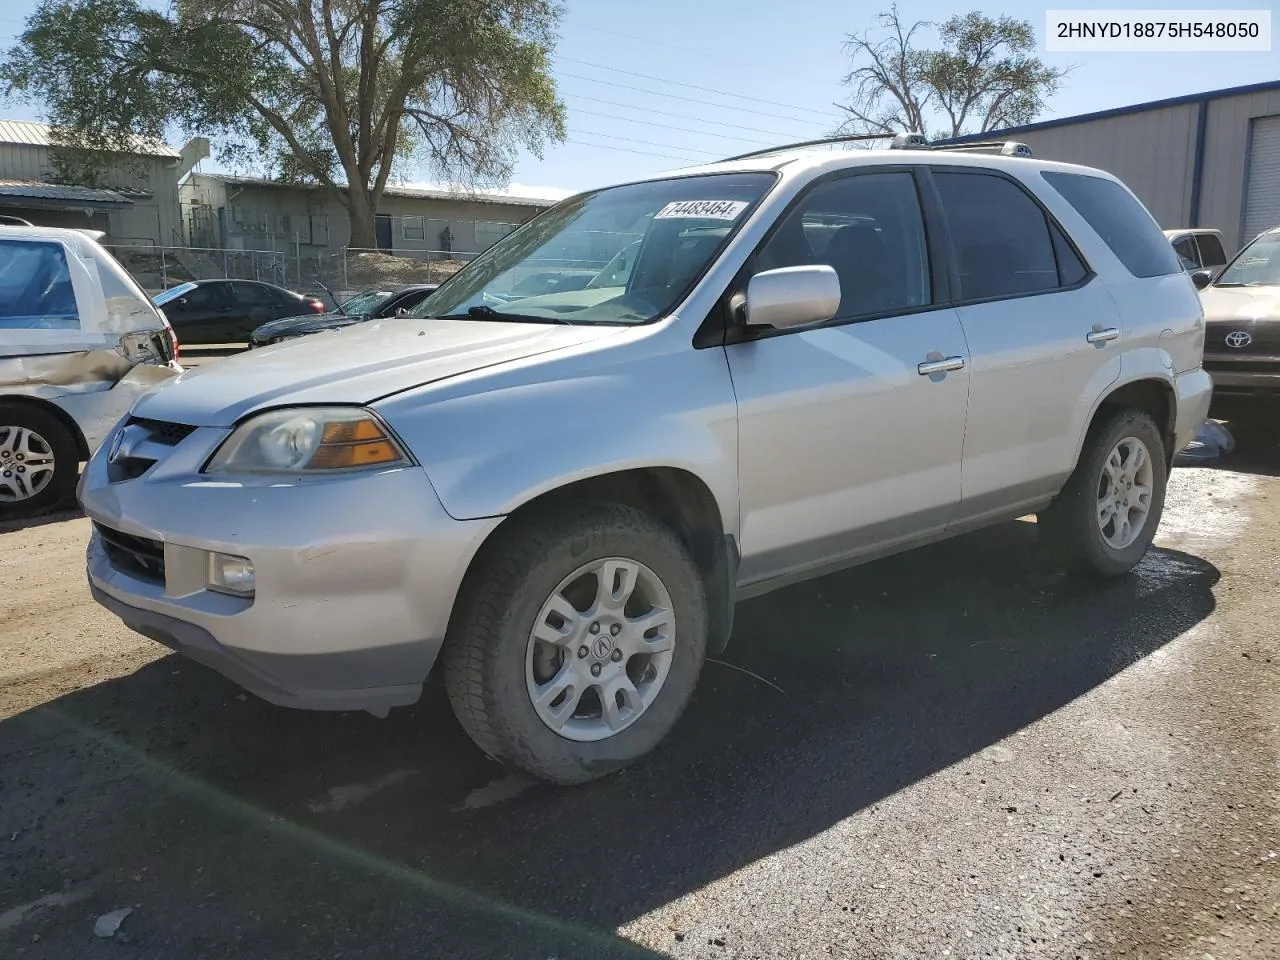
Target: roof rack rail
(900, 141)
(1006, 148)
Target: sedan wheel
(27, 464)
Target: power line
(694, 86)
(677, 116)
(675, 96)
(701, 50)
(667, 126)
(643, 153)
(670, 146)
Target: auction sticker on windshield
(702, 210)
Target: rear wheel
(39, 461)
(1107, 513)
(577, 642)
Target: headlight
(308, 440)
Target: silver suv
(646, 404)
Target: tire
(491, 661)
(31, 437)
(1071, 526)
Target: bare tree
(983, 76)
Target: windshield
(622, 255)
(1258, 265)
(366, 302)
(173, 293)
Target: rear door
(256, 304)
(1042, 335)
(199, 315)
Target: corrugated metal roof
(35, 190)
(29, 134)
(478, 196)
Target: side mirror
(1201, 278)
(401, 311)
(792, 297)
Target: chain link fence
(341, 272)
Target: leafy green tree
(984, 76)
(336, 92)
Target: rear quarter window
(1121, 221)
(35, 287)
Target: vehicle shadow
(60, 514)
(275, 832)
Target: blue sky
(652, 85)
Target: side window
(252, 295)
(35, 287)
(1186, 248)
(1121, 221)
(1000, 235)
(206, 297)
(410, 300)
(870, 230)
(1211, 252)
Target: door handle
(945, 365)
(1097, 335)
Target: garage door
(1262, 193)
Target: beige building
(239, 213)
(1205, 160)
(136, 201)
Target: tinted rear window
(1121, 221)
(1211, 252)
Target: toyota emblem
(1238, 339)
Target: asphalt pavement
(957, 752)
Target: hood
(307, 323)
(358, 365)
(1236, 304)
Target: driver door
(846, 444)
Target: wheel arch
(1154, 396)
(676, 497)
(38, 403)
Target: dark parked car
(228, 311)
(369, 305)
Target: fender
(493, 442)
(1151, 364)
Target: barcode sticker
(702, 210)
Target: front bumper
(1245, 377)
(355, 576)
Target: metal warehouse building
(1205, 160)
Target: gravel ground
(952, 753)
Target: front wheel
(577, 641)
(1106, 516)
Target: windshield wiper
(488, 313)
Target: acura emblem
(116, 442)
(1238, 339)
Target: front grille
(129, 463)
(139, 557)
(162, 431)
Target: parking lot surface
(951, 753)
